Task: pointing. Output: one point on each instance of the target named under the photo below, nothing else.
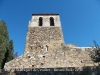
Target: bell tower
(43, 43)
(43, 29)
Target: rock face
(45, 47)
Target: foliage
(6, 46)
(95, 54)
(16, 55)
(90, 70)
(10, 51)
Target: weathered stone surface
(45, 48)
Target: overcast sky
(80, 19)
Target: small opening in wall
(81, 61)
(29, 56)
(43, 56)
(41, 63)
(32, 65)
(40, 21)
(46, 48)
(51, 21)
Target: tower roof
(46, 14)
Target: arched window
(51, 21)
(40, 21)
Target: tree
(3, 41)
(6, 46)
(10, 51)
(95, 54)
(16, 55)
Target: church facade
(45, 47)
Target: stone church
(45, 47)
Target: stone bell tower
(44, 38)
(43, 29)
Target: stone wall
(46, 20)
(45, 48)
(61, 56)
(38, 37)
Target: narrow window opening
(51, 21)
(46, 48)
(32, 65)
(40, 21)
(41, 63)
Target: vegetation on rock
(95, 54)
